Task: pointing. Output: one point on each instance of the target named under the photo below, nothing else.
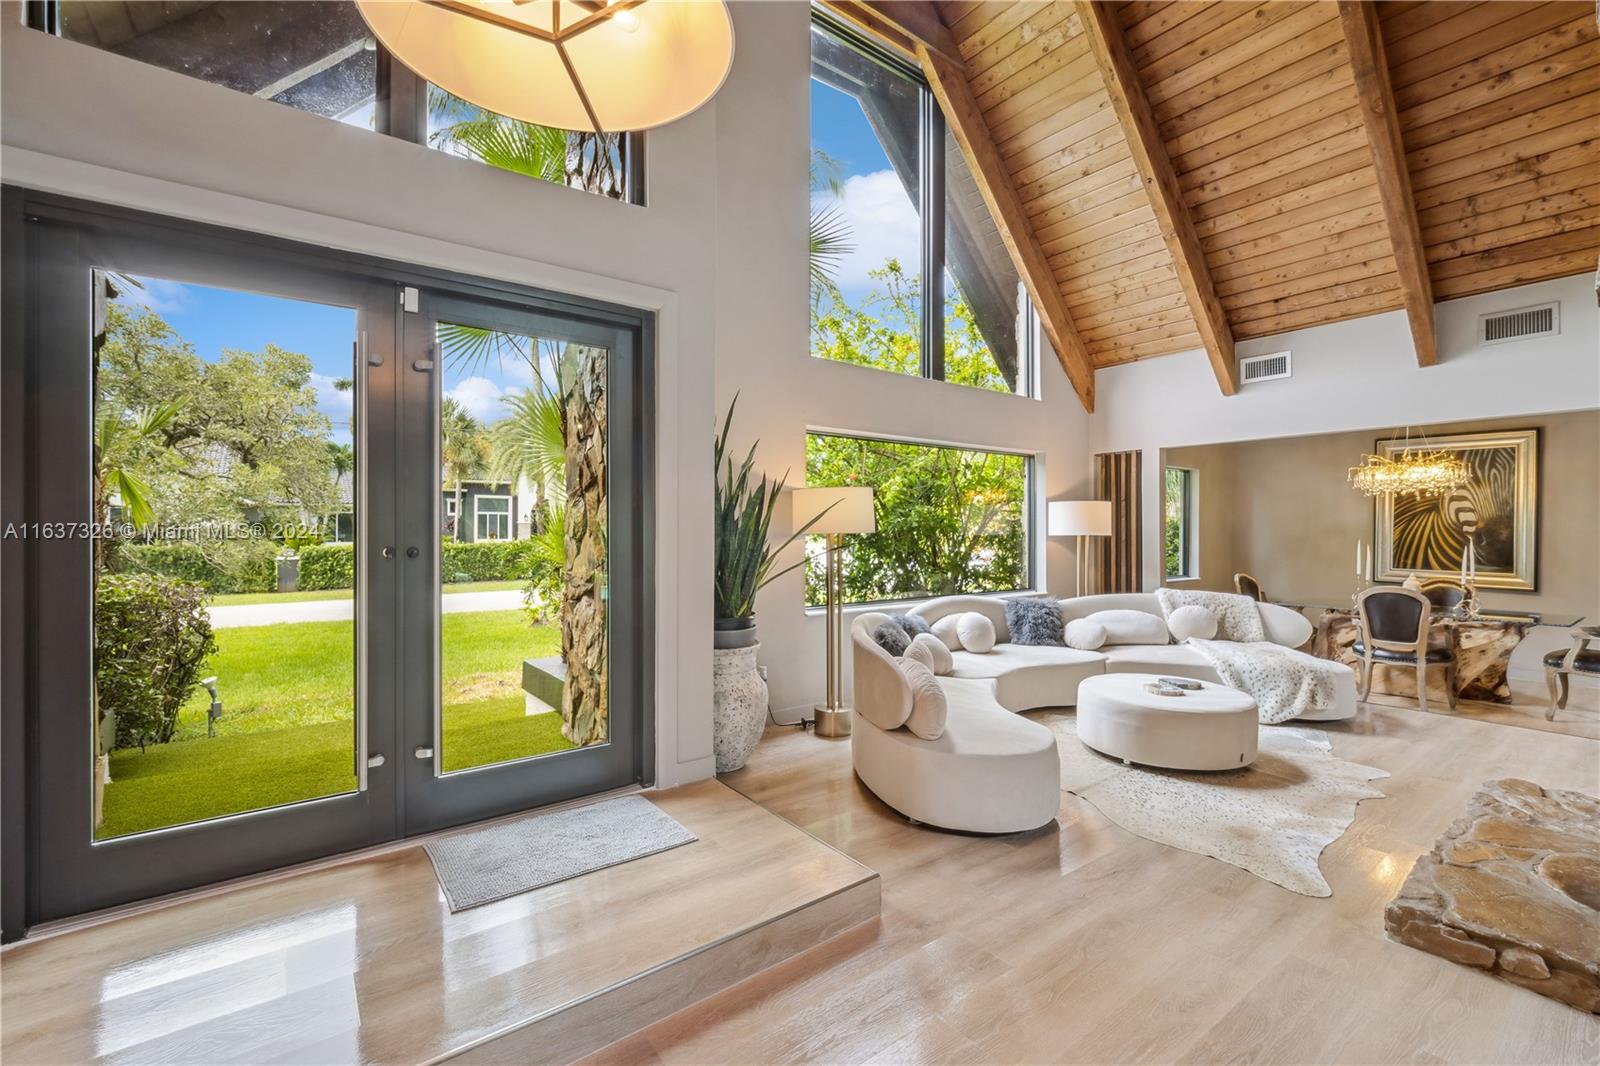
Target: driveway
(266, 614)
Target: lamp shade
(843, 510)
(1079, 518)
(571, 64)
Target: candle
(1358, 557)
(1464, 553)
(1369, 562)
(1472, 556)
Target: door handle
(388, 551)
(422, 366)
(413, 551)
(423, 753)
(375, 760)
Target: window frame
(1188, 524)
(479, 514)
(931, 134)
(1030, 498)
(400, 102)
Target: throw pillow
(1192, 621)
(929, 707)
(1036, 622)
(976, 632)
(945, 630)
(930, 651)
(912, 623)
(1131, 627)
(1085, 635)
(891, 638)
(1237, 616)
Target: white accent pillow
(929, 707)
(1192, 621)
(945, 630)
(1085, 635)
(976, 632)
(930, 651)
(1131, 627)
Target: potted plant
(744, 510)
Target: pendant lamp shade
(569, 64)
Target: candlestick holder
(1468, 606)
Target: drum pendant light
(601, 67)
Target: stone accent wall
(585, 700)
(1513, 888)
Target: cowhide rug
(1272, 818)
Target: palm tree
(531, 444)
(463, 449)
(829, 230)
(118, 439)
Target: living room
(823, 563)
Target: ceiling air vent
(1264, 367)
(1524, 322)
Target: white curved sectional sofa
(993, 771)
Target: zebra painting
(1495, 510)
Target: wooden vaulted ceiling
(1172, 176)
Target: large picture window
(319, 56)
(950, 520)
(908, 271)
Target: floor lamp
(837, 511)
(1082, 519)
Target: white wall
(1360, 374)
(763, 350)
(720, 252)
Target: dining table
(1484, 643)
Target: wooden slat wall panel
(1116, 561)
(1256, 103)
(1498, 112)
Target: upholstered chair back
(879, 684)
(1245, 585)
(1443, 594)
(1394, 616)
(990, 607)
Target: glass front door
(320, 557)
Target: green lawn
(287, 729)
(237, 599)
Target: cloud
(882, 223)
(158, 295)
(480, 398)
(336, 404)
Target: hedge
(241, 566)
(332, 566)
(151, 637)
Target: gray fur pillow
(911, 623)
(891, 638)
(1036, 622)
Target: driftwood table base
(1483, 654)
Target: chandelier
(600, 66)
(1414, 472)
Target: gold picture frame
(1498, 507)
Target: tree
(463, 449)
(119, 441)
(589, 161)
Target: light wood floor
(363, 962)
(1084, 943)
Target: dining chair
(1245, 585)
(1394, 632)
(1443, 595)
(1561, 664)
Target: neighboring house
(489, 511)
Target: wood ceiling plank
(1510, 43)
(1274, 26)
(1137, 243)
(1121, 337)
(1299, 220)
(1267, 153)
(1320, 52)
(1307, 239)
(1581, 240)
(1020, 78)
(1580, 217)
(1103, 33)
(1108, 135)
(1576, 176)
(1475, 141)
(1498, 66)
(1585, 192)
(1022, 57)
(1364, 39)
(1386, 286)
(1066, 144)
(1333, 247)
(1267, 128)
(1287, 187)
(1243, 291)
(1044, 28)
(1171, 305)
(1324, 85)
(1401, 20)
(1504, 175)
(1069, 102)
(1321, 315)
(1440, 26)
(1065, 204)
(1573, 73)
(976, 35)
(1520, 153)
(1146, 327)
(1297, 203)
(1227, 182)
(1114, 354)
(1107, 222)
(1266, 277)
(1204, 19)
(1091, 173)
(1559, 265)
(1131, 287)
(966, 124)
(1052, 83)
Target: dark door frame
(26, 396)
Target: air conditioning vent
(1524, 322)
(1264, 367)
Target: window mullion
(930, 166)
(402, 105)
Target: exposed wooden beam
(966, 123)
(1363, 38)
(902, 23)
(1103, 33)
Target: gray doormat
(503, 860)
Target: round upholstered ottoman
(1210, 728)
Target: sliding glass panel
(984, 302)
(225, 483)
(866, 233)
(523, 667)
(950, 520)
(314, 55)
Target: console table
(1483, 651)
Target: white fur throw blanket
(1284, 683)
